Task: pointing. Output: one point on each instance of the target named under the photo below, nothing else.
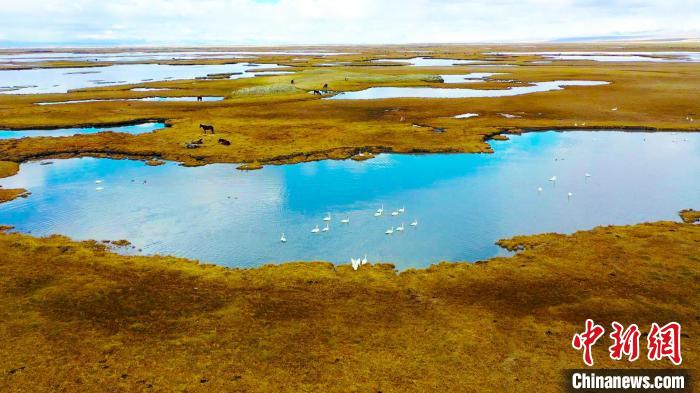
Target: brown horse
(224, 142)
(207, 127)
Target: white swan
(355, 263)
(587, 175)
(553, 179)
(403, 209)
(98, 181)
(99, 188)
(395, 213)
(315, 230)
(400, 228)
(283, 239)
(389, 231)
(345, 220)
(569, 195)
(327, 217)
(414, 223)
(380, 211)
(364, 260)
(326, 228)
(539, 189)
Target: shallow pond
(130, 129)
(463, 202)
(60, 80)
(428, 62)
(683, 57)
(134, 56)
(374, 93)
(472, 77)
(147, 99)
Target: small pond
(141, 128)
(374, 93)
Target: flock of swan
(357, 262)
(553, 179)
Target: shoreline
(109, 318)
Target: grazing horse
(199, 98)
(325, 86)
(224, 142)
(207, 127)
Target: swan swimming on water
(283, 239)
(99, 188)
(569, 195)
(414, 223)
(553, 179)
(345, 220)
(587, 175)
(327, 217)
(400, 228)
(389, 231)
(326, 228)
(315, 230)
(379, 211)
(403, 209)
(395, 213)
(98, 181)
(539, 189)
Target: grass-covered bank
(77, 317)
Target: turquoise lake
(463, 202)
(141, 128)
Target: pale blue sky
(259, 22)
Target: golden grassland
(75, 316)
(270, 121)
(78, 317)
(690, 216)
(9, 168)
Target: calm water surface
(463, 202)
(60, 80)
(147, 99)
(374, 93)
(131, 129)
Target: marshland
(557, 197)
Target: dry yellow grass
(9, 168)
(690, 216)
(281, 124)
(76, 317)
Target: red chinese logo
(665, 342)
(625, 342)
(587, 339)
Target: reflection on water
(467, 78)
(131, 129)
(614, 56)
(373, 93)
(463, 202)
(148, 56)
(428, 62)
(148, 99)
(60, 80)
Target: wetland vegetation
(95, 315)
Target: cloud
(338, 22)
